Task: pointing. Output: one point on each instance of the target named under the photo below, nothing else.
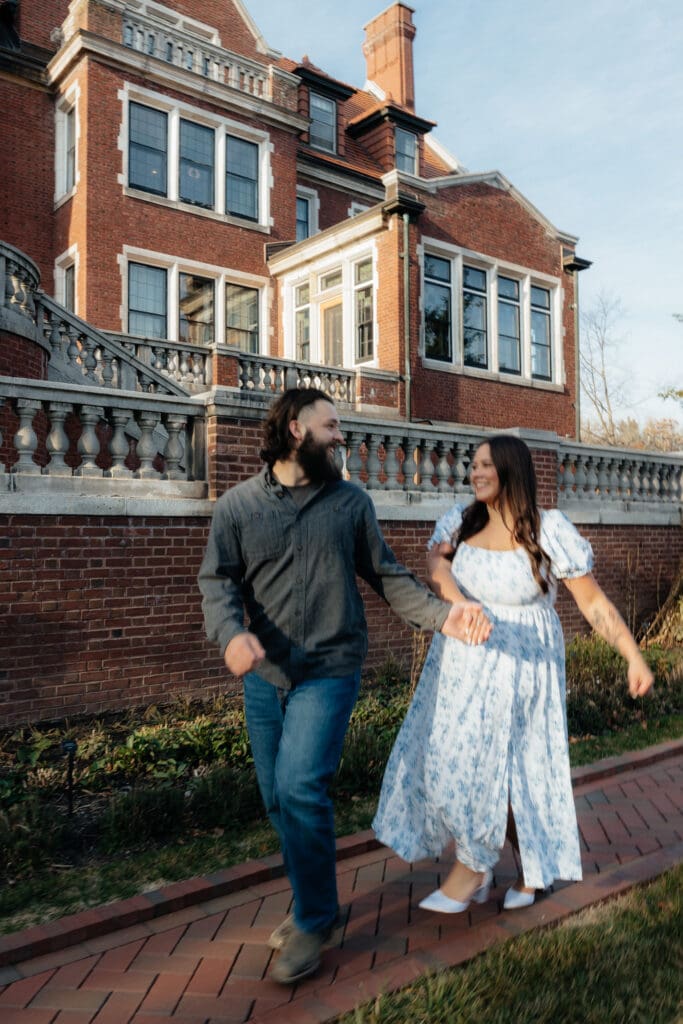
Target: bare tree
(602, 384)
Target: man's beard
(317, 461)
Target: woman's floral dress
(488, 723)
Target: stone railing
(586, 474)
(56, 432)
(188, 51)
(80, 354)
(188, 365)
(267, 375)
(19, 282)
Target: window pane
(302, 221)
(438, 268)
(437, 321)
(242, 317)
(363, 271)
(364, 325)
(541, 364)
(195, 310)
(147, 150)
(333, 339)
(303, 293)
(323, 130)
(70, 177)
(147, 301)
(406, 151)
(540, 297)
(509, 349)
(70, 288)
(196, 164)
(507, 288)
(474, 342)
(473, 278)
(331, 280)
(302, 324)
(242, 178)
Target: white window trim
(66, 259)
(527, 278)
(220, 276)
(65, 104)
(347, 261)
(222, 126)
(335, 135)
(313, 199)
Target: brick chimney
(388, 50)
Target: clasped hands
(467, 621)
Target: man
(287, 544)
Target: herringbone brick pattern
(208, 963)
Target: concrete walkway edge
(97, 921)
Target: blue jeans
(296, 739)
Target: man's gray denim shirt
(294, 571)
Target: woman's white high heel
(515, 900)
(442, 904)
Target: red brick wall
(38, 18)
(21, 358)
(104, 613)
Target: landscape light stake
(69, 748)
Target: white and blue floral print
(488, 723)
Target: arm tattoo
(608, 625)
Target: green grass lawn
(616, 963)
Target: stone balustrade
(267, 375)
(80, 354)
(19, 282)
(188, 365)
(58, 432)
(586, 474)
(185, 50)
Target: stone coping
(88, 924)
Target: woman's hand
(640, 677)
(467, 621)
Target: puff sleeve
(446, 527)
(570, 554)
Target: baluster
(625, 479)
(159, 359)
(373, 464)
(9, 283)
(89, 360)
(57, 440)
(184, 366)
(459, 467)
(603, 478)
(197, 371)
(107, 368)
(172, 364)
(636, 480)
(392, 466)
(443, 468)
(656, 483)
(146, 383)
(664, 482)
(354, 463)
(119, 446)
(580, 477)
(88, 442)
(55, 335)
(174, 448)
(426, 466)
(677, 488)
(613, 478)
(72, 351)
(147, 449)
(25, 439)
(591, 479)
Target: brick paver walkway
(207, 963)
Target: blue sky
(580, 106)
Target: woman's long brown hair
(517, 479)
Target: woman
(486, 731)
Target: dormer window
(323, 130)
(406, 151)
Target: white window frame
(66, 105)
(527, 279)
(322, 298)
(416, 155)
(65, 260)
(335, 128)
(355, 208)
(221, 276)
(222, 127)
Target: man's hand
(467, 621)
(243, 654)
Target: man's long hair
(277, 438)
(517, 480)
